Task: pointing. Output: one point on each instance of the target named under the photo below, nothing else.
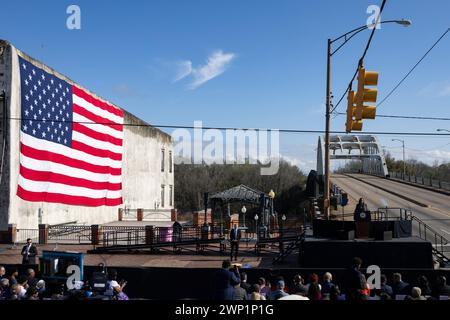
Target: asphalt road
(436, 215)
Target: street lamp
(346, 36)
(404, 163)
(271, 197)
(256, 225)
(243, 210)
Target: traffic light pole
(326, 193)
(346, 37)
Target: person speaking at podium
(362, 219)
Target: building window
(170, 161)
(162, 159)
(162, 196)
(171, 196)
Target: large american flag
(70, 143)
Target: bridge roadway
(436, 213)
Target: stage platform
(410, 252)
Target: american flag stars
(48, 105)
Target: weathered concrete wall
(141, 167)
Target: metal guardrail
(426, 181)
(129, 236)
(23, 234)
(392, 213)
(69, 234)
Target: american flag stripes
(70, 143)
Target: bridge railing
(391, 213)
(426, 181)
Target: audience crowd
(27, 286)
(232, 284)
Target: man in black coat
(354, 281)
(225, 281)
(235, 237)
(399, 287)
(441, 288)
(29, 253)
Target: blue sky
(266, 62)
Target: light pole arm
(348, 35)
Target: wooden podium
(362, 229)
(362, 223)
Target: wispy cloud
(184, 69)
(216, 64)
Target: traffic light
(351, 123)
(364, 94)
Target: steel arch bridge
(365, 148)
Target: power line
(405, 117)
(233, 128)
(414, 67)
(363, 55)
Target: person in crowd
(264, 287)
(335, 293)
(298, 286)
(114, 287)
(225, 281)
(32, 281)
(32, 294)
(274, 287)
(235, 238)
(314, 288)
(4, 288)
(244, 284)
(353, 281)
(279, 292)
(424, 285)
(40, 287)
(384, 287)
(239, 292)
(2, 272)
(365, 291)
(416, 294)
(255, 293)
(327, 284)
(441, 288)
(29, 253)
(399, 286)
(23, 286)
(13, 277)
(16, 290)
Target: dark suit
(401, 288)
(235, 237)
(29, 256)
(353, 284)
(225, 281)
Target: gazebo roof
(237, 193)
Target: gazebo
(245, 195)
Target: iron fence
(80, 234)
(122, 235)
(23, 234)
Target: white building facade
(147, 163)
